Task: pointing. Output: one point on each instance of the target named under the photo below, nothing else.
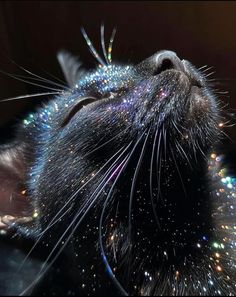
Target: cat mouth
(194, 84)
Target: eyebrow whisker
(103, 44)
(111, 44)
(91, 47)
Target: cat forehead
(107, 78)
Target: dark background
(31, 33)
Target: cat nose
(167, 60)
(161, 61)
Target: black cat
(117, 184)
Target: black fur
(119, 163)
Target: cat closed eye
(76, 108)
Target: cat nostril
(166, 64)
(167, 60)
(160, 62)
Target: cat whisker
(63, 83)
(201, 151)
(56, 219)
(53, 84)
(210, 74)
(164, 140)
(63, 86)
(111, 274)
(202, 67)
(28, 82)
(111, 45)
(109, 141)
(151, 178)
(183, 153)
(34, 76)
(159, 165)
(207, 69)
(136, 172)
(29, 96)
(226, 135)
(91, 48)
(174, 124)
(103, 43)
(179, 173)
(84, 210)
(221, 92)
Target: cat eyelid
(76, 108)
(86, 101)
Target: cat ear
(14, 203)
(71, 67)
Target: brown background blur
(31, 33)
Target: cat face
(106, 113)
(160, 91)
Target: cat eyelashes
(76, 108)
(86, 101)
